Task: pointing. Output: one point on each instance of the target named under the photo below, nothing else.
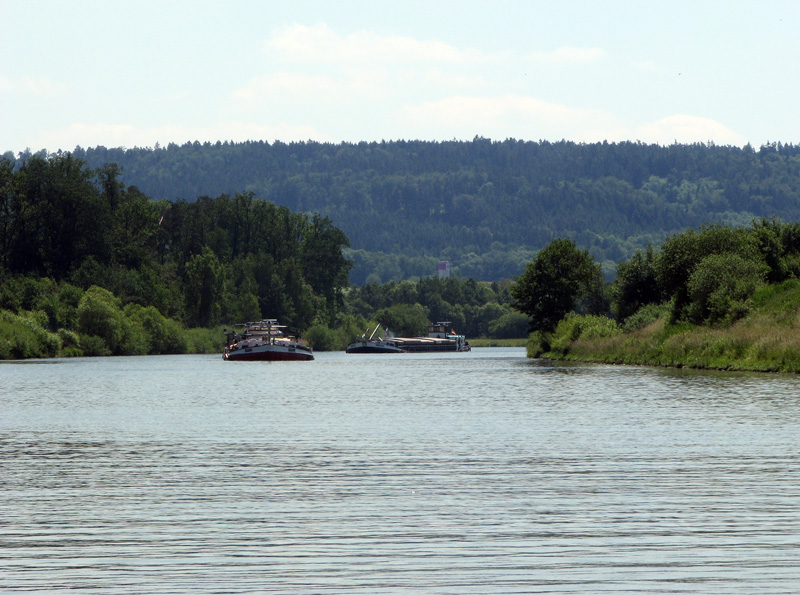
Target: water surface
(420, 473)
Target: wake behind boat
(265, 341)
(441, 337)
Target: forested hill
(485, 206)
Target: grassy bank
(767, 339)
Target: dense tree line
(476, 309)
(706, 276)
(486, 206)
(75, 243)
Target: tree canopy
(705, 276)
(213, 260)
(486, 206)
(553, 282)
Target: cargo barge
(441, 338)
(265, 341)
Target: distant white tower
(444, 269)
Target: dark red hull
(268, 357)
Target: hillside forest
(486, 206)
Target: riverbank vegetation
(89, 267)
(718, 297)
(48, 319)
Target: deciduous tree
(553, 282)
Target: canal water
(482, 472)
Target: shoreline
(766, 340)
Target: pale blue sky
(138, 73)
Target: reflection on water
(451, 473)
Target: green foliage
(350, 328)
(162, 335)
(766, 340)
(636, 285)
(203, 288)
(645, 316)
(198, 262)
(325, 268)
(57, 300)
(486, 206)
(404, 320)
(681, 253)
(574, 326)
(106, 329)
(510, 325)
(323, 338)
(240, 299)
(553, 282)
(134, 234)
(470, 305)
(224, 259)
(204, 340)
(731, 317)
(135, 340)
(721, 285)
(779, 243)
(70, 343)
(778, 299)
(67, 224)
(537, 344)
(92, 345)
(94, 323)
(22, 336)
(708, 275)
(55, 217)
(100, 316)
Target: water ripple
(479, 474)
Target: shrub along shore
(94, 323)
(767, 339)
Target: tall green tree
(553, 282)
(61, 217)
(9, 210)
(636, 284)
(324, 266)
(204, 285)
